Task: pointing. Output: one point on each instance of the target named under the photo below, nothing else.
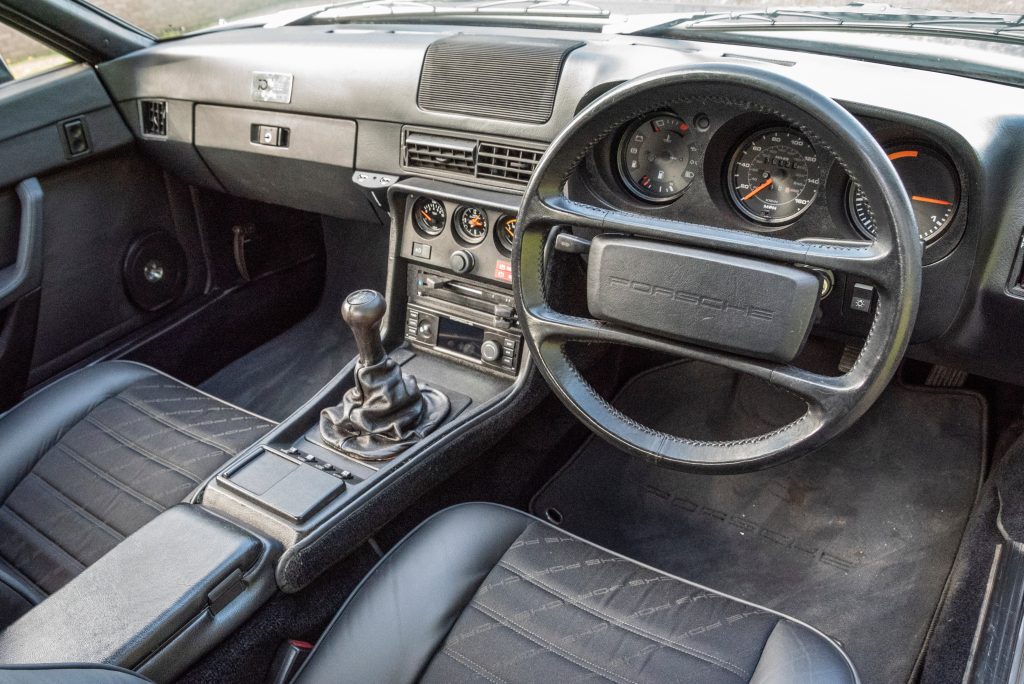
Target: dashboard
(471, 140)
(726, 165)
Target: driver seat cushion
(90, 459)
(484, 593)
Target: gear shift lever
(387, 410)
(363, 311)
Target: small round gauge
(774, 176)
(505, 231)
(930, 180)
(655, 158)
(471, 224)
(429, 215)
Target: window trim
(79, 31)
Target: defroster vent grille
(493, 77)
(453, 155)
(495, 160)
(506, 163)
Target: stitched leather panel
(130, 458)
(557, 609)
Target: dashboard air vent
(440, 153)
(493, 77)
(507, 163)
(154, 118)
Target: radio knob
(462, 261)
(490, 351)
(425, 330)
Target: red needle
(758, 189)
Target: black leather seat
(484, 593)
(93, 457)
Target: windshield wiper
(383, 10)
(852, 17)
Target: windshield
(165, 19)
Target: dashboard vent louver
(440, 153)
(506, 163)
(492, 160)
(154, 118)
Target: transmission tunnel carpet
(856, 539)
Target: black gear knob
(363, 311)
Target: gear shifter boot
(387, 410)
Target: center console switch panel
(155, 602)
(294, 486)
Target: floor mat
(278, 377)
(856, 539)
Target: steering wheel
(740, 299)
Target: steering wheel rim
(892, 263)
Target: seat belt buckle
(289, 658)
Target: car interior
(523, 341)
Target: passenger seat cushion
(94, 457)
(552, 607)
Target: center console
(441, 360)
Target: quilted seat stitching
(82, 511)
(472, 665)
(510, 623)
(39, 533)
(128, 442)
(109, 477)
(210, 440)
(638, 630)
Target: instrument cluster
(746, 170)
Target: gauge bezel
(736, 200)
(942, 158)
(623, 173)
(499, 234)
(427, 232)
(457, 228)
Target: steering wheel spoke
(552, 327)
(864, 259)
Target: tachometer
(505, 232)
(471, 224)
(656, 159)
(429, 215)
(931, 182)
(773, 176)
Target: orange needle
(426, 215)
(930, 200)
(900, 155)
(758, 189)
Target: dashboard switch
(269, 136)
(462, 261)
(861, 297)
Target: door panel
(99, 197)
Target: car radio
(464, 319)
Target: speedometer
(656, 158)
(773, 176)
